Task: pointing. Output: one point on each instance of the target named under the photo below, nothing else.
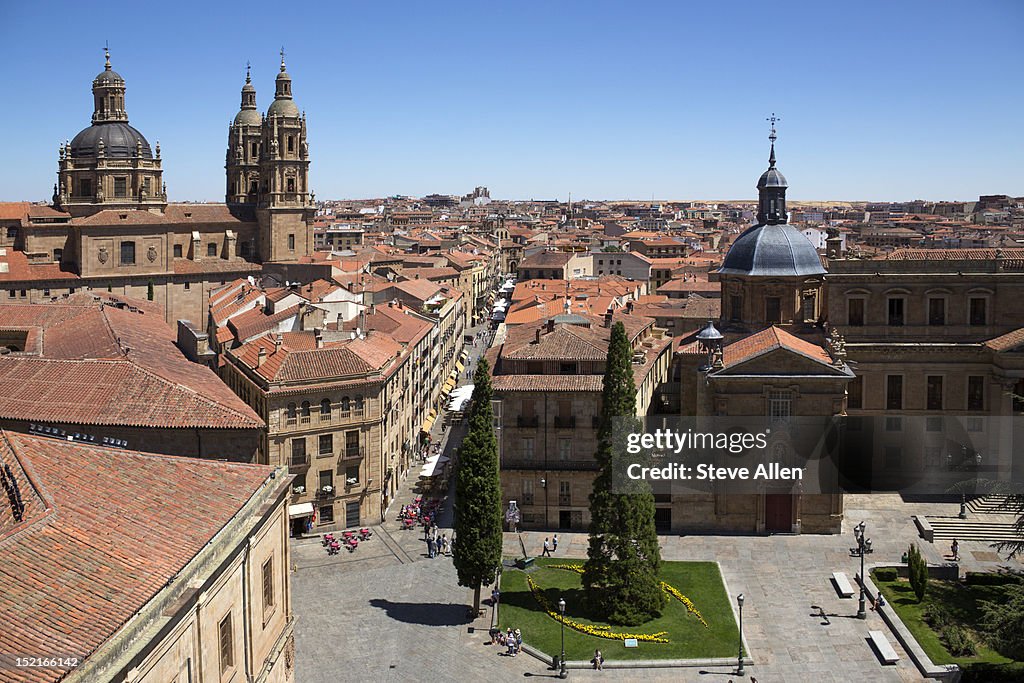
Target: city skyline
(655, 102)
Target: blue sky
(878, 100)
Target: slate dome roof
(771, 178)
(118, 140)
(775, 250)
(283, 107)
(248, 117)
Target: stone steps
(987, 505)
(948, 528)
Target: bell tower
(243, 154)
(285, 203)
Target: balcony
(565, 422)
(512, 463)
(528, 422)
(354, 452)
(305, 419)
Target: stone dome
(283, 107)
(778, 250)
(248, 117)
(118, 141)
(771, 178)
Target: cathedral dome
(108, 76)
(283, 107)
(248, 117)
(772, 250)
(119, 141)
(771, 178)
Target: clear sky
(879, 100)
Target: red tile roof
(1008, 341)
(95, 544)
(770, 339)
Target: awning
(446, 388)
(300, 510)
(449, 385)
(459, 366)
(464, 356)
(428, 423)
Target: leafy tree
(917, 570)
(1003, 622)
(620, 575)
(477, 553)
(612, 248)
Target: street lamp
(739, 658)
(863, 544)
(562, 672)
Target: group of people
(438, 544)
(550, 545)
(511, 640)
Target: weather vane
(773, 119)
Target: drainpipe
(246, 608)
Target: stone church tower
(268, 170)
(109, 165)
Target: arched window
(291, 413)
(359, 403)
(305, 409)
(345, 405)
(325, 408)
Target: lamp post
(562, 672)
(862, 544)
(739, 658)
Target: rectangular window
(326, 444)
(567, 369)
(934, 393)
(780, 405)
(978, 310)
(736, 307)
(936, 311)
(352, 516)
(268, 584)
(298, 451)
(188, 286)
(326, 515)
(896, 312)
(527, 497)
(177, 251)
(291, 242)
(120, 186)
(565, 449)
(211, 249)
(352, 475)
(352, 444)
(564, 493)
(85, 187)
(291, 184)
(855, 393)
(127, 253)
(326, 478)
(773, 309)
(227, 644)
(894, 392)
(528, 448)
(975, 392)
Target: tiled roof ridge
(25, 525)
(202, 397)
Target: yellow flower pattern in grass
(668, 588)
(599, 631)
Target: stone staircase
(985, 528)
(987, 505)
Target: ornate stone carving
(102, 255)
(151, 254)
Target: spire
(248, 91)
(106, 52)
(108, 93)
(282, 58)
(773, 137)
(771, 186)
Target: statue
(305, 149)
(101, 149)
(273, 148)
(157, 149)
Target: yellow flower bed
(671, 590)
(599, 631)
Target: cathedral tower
(110, 164)
(285, 204)
(243, 154)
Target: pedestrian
(955, 547)
(444, 544)
(547, 548)
(510, 643)
(554, 543)
(431, 548)
(598, 660)
(519, 642)
(495, 594)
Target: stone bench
(842, 584)
(885, 651)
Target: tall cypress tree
(621, 573)
(477, 552)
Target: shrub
(958, 641)
(991, 579)
(887, 574)
(937, 617)
(1003, 622)
(918, 571)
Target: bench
(842, 584)
(885, 650)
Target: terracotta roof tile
(769, 339)
(1008, 341)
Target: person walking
(547, 548)
(554, 543)
(431, 548)
(955, 547)
(598, 660)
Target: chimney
(261, 357)
(278, 340)
(551, 325)
(537, 338)
(318, 334)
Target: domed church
(768, 363)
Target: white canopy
(300, 510)
(460, 396)
(433, 466)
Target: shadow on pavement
(424, 613)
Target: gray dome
(108, 76)
(118, 141)
(248, 117)
(283, 107)
(774, 250)
(771, 178)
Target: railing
(305, 419)
(528, 422)
(325, 417)
(565, 422)
(290, 421)
(354, 451)
(512, 463)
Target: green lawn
(962, 602)
(701, 582)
